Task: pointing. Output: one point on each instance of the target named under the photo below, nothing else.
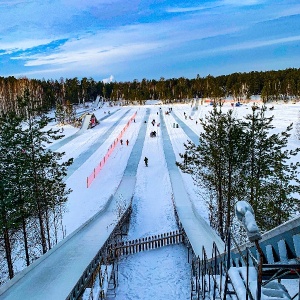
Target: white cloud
(89, 3)
(214, 5)
(88, 56)
(105, 49)
(187, 9)
(257, 44)
(12, 3)
(242, 46)
(242, 2)
(121, 44)
(289, 11)
(108, 80)
(10, 47)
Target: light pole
(245, 214)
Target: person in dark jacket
(146, 161)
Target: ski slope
(124, 176)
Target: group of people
(127, 142)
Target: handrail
(208, 273)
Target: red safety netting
(98, 168)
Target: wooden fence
(147, 243)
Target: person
(127, 142)
(121, 141)
(146, 161)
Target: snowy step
(275, 291)
(271, 291)
(238, 282)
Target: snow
(161, 273)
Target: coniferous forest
(270, 85)
(32, 189)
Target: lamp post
(245, 214)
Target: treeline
(32, 189)
(271, 85)
(243, 159)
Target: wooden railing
(147, 243)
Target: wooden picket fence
(147, 243)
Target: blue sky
(127, 40)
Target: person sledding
(146, 161)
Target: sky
(119, 40)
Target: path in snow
(161, 273)
(68, 139)
(84, 156)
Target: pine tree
(60, 115)
(10, 152)
(243, 160)
(45, 174)
(214, 165)
(270, 176)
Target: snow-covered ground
(162, 273)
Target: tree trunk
(220, 206)
(48, 229)
(42, 229)
(25, 241)
(8, 254)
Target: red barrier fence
(96, 170)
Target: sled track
(55, 274)
(64, 270)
